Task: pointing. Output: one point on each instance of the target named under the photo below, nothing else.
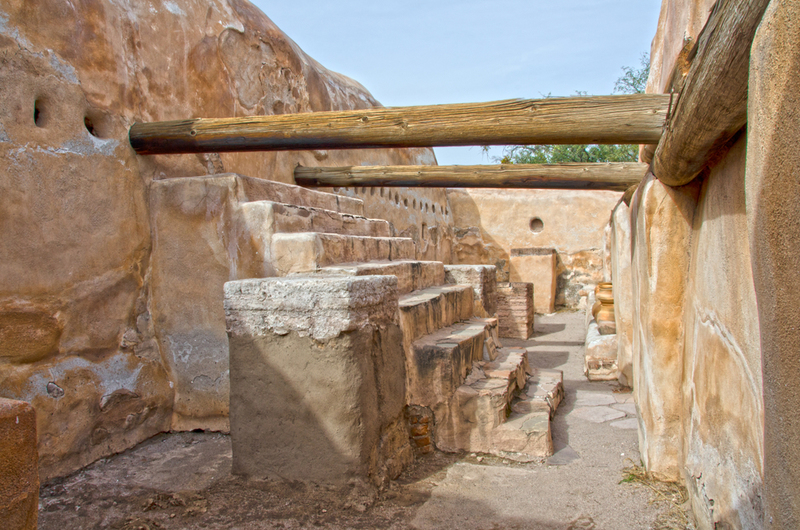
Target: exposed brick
(19, 466)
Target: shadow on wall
(472, 245)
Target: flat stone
(597, 414)
(627, 423)
(593, 399)
(628, 408)
(624, 398)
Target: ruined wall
(490, 224)
(422, 214)
(79, 335)
(696, 332)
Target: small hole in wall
(405, 203)
(87, 121)
(396, 199)
(537, 225)
(424, 231)
(371, 191)
(414, 204)
(38, 113)
(381, 192)
(426, 207)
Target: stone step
(543, 393)
(255, 189)
(411, 275)
(483, 279)
(276, 217)
(482, 404)
(305, 252)
(428, 310)
(438, 363)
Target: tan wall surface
(773, 225)
(697, 339)
(723, 410)
(77, 326)
(573, 225)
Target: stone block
(318, 378)
(536, 266)
(19, 466)
(439, 363)
(515, 310)
(483, 279)
(411, 275)
(426, 311)
(600, 358)
(306, 252)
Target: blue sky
(447, 51)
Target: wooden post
(600, 176)
(627, 119)
(712, 107)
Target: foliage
(632, 81)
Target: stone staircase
(319, 270)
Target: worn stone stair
(411, 275)
(503, 408)
(276, 217)
(305, 252)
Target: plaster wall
(697, 327)
(78, 328)
(489, 223)
(773, 227)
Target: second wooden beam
(599, 176)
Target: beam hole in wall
(396, 199)
(39, 113)
(426, 207)
(414, 204)
(371, 191)
(381, 192)
(424, 231)
(405, 203)
(537, 225)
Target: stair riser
(436, 371)
(418, 320)
(308, 252)
(290, 219)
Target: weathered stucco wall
(773, 225)
(490, 223)
(78, 329)
(697, 340)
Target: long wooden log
(712, 106)
(631, 119)
(599, 176)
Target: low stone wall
(318, 379)
(515, 310)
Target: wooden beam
(600, 176)
(630, 119)
(712, 106)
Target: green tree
(633, 81)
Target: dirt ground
(183, 480)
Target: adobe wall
(80, 337)
(490, 224)
(773, 226)
(697, 330)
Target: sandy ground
(183, 480)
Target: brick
(19, 466)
